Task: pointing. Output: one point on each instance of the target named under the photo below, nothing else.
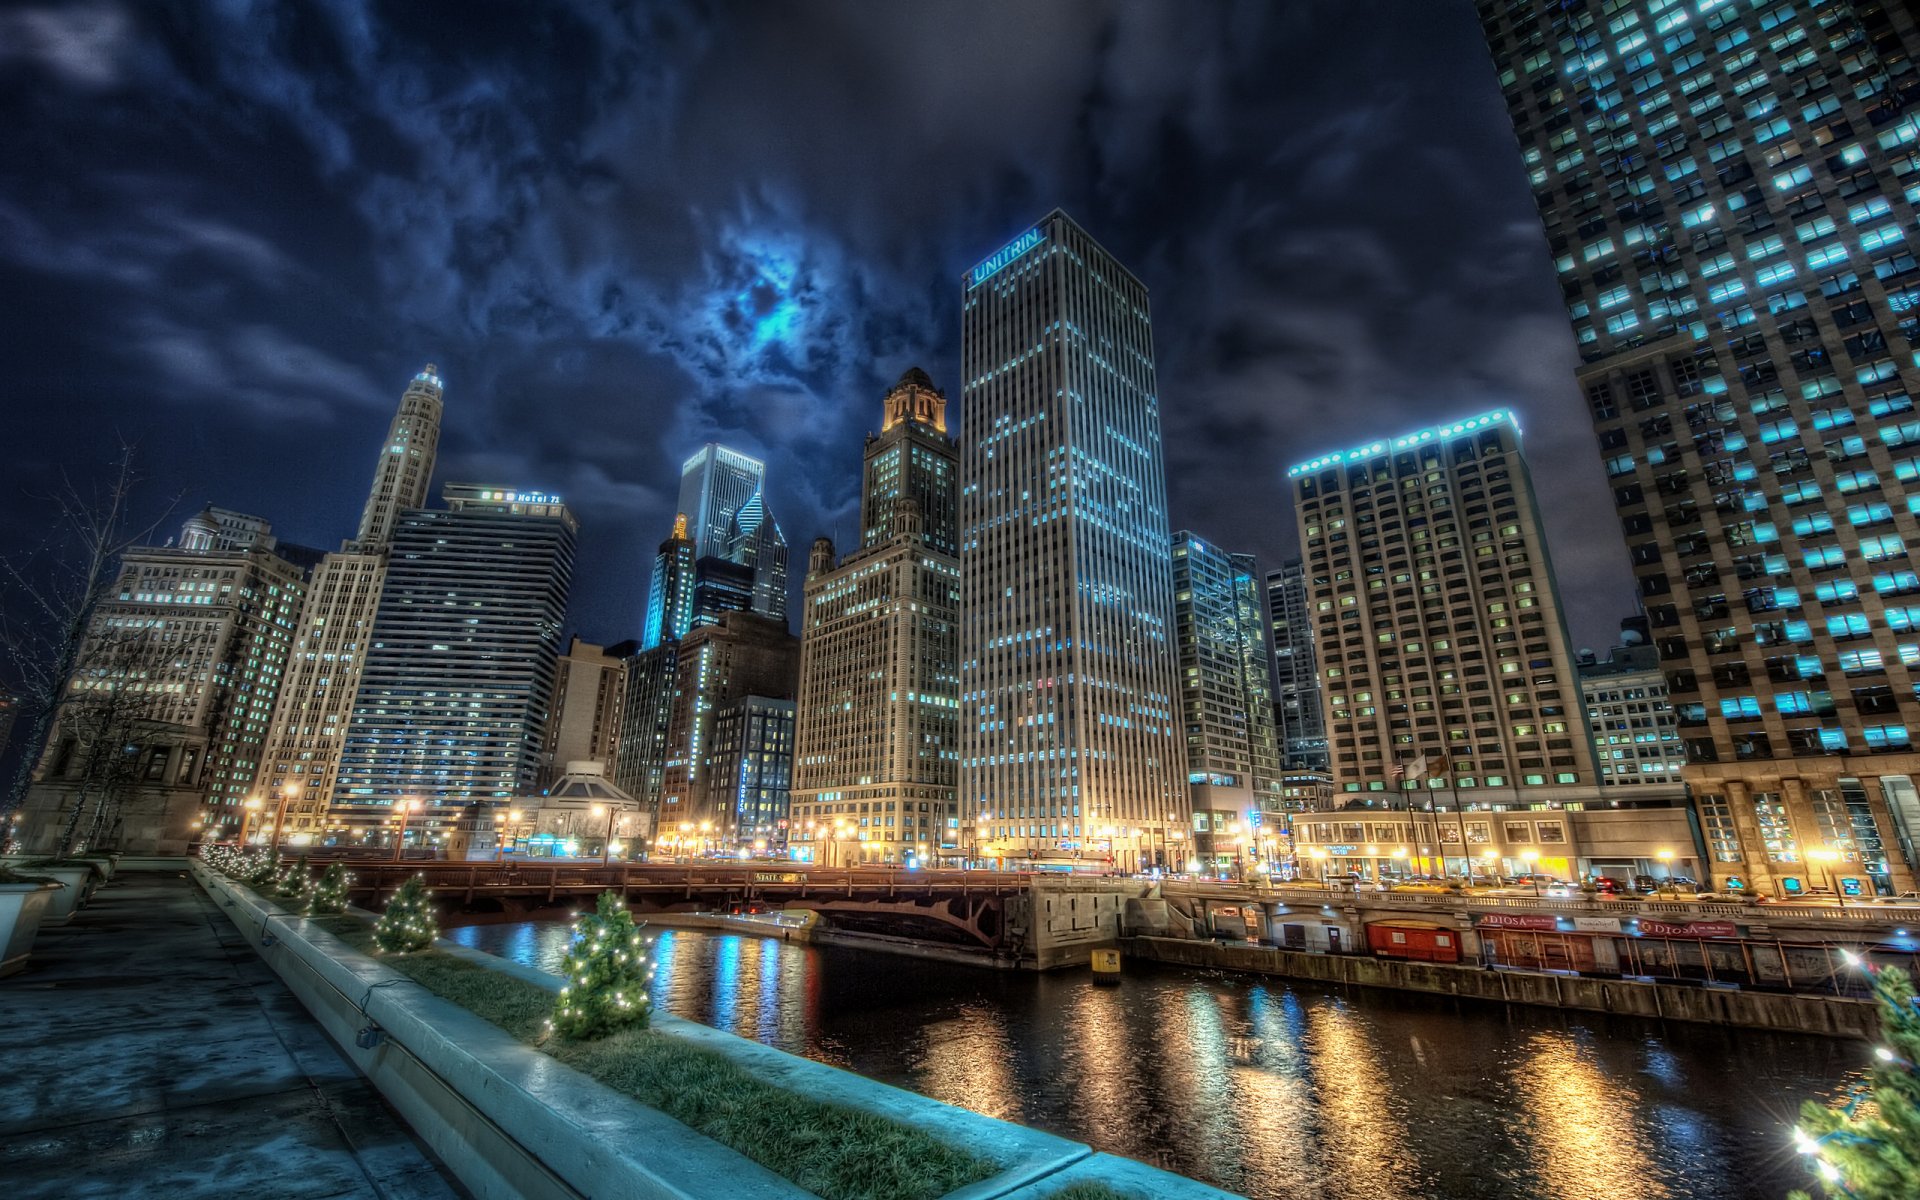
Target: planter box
(78, 883)
(512, 1122)
(22, 907)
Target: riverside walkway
(150, 1052)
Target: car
(1608, 886)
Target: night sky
(232, 232)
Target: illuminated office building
(877, 749)
(723, 498)
(1069, 695)
(302, 754)
(1296, 670)
(670, 588)
(715, 731)
(1729, 193)
(454, 699)
(1437, 620)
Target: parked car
(1606, 885)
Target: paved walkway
(149, 1052)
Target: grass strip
(1090, 1191)
(835, 1152)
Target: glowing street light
(405, 809)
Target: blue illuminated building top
(1498, 416)
(1004, 255)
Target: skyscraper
(715, 483)
(1296, 669)
(176, 682)
(877, 743)
(670, 588)
(302, 753)
(1233, 760)
(1070, 737)
(742, 657)
(1438, 619)
(1729, 197)
(724, 506)
(459, 676)
(584, 720)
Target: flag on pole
(1410, 771)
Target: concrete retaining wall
(1834, 1016)
(510, 1121)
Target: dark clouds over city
(233, 231)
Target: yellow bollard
(1106, 966)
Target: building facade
(749, 778)
(646, 718)
(1069, 717)
(1636, 736)
(1296, 669)
(877, 745)
(1233, 757)
(164, 722)
(719, 666)
(585, 719)
(1438, 621)
(309, 727)
(1728, 197)
(459, 678)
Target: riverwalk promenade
(150, 1052)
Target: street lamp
(405, 808)
(1666, 867)
(1488, 856)
(606, 847)
(254, 805)
(288, 792)
(1531, 857)
(1827, 858)
(1319, 856)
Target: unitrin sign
(1004, 255)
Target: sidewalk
(149, 1052)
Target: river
(1272, 1088)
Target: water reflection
(1270, 1089)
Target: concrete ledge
(1136, 1180)
(1833, 1016)
(508, 1120)
(1027, 1154)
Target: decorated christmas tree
(607, 973)
(329, 895)
(261, 868)
(294, 879)
(407, 925)
(1869, 1148)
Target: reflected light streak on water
(1275, 1089)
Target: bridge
(1003, 917)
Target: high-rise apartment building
(1233, 755)
(719, 666)
(166, 714)
(1069, 704)
(584, 721)
(459, 677)
(877, 747)
(1437, 618)
(1296, 669)
(302, 753)
(1729, 192)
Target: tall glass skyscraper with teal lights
(1069, 704)
(1730, 189)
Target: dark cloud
(623, 230)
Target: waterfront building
(719, 666)
(584, 723)
(301, 758)
(877, 745)
(459, 678)
(1296, 669)
(165, 717)
(577, 815)
(1069, 717)
(1729, 194)
(1232, 749)
(1439, 621)
(1636, 736)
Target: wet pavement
(149, 1051)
